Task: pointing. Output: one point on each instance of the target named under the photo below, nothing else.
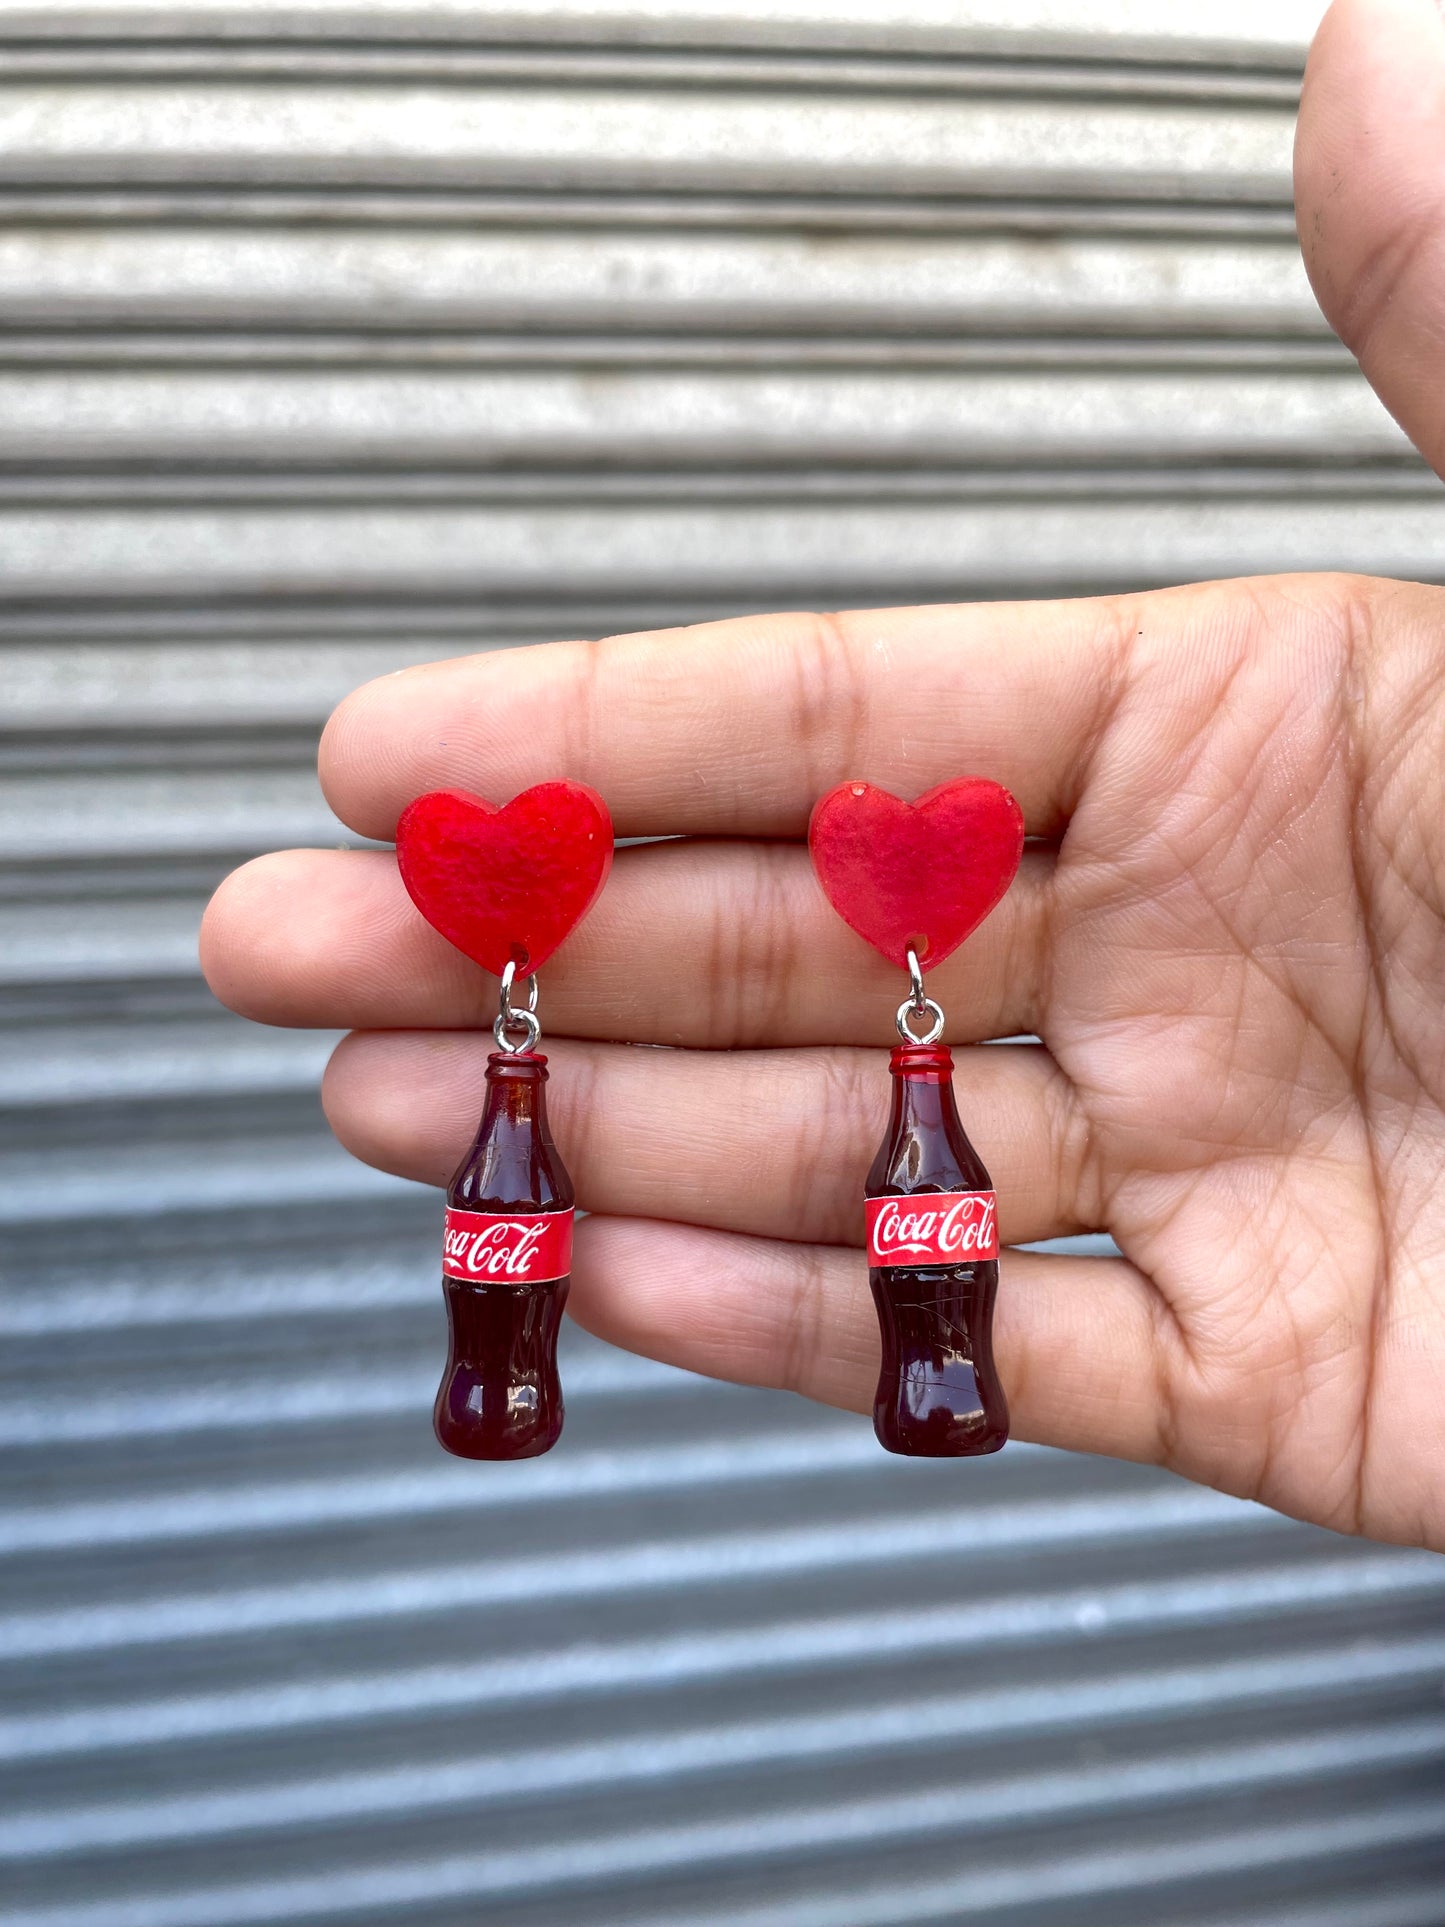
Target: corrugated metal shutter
(334, 337)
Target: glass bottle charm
(506, 1264)
(932, 1229)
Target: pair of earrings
(506, 886)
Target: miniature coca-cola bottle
(505, 1263)
(933, 1266)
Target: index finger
(737, 727)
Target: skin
(1230, 939)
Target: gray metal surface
(336, 337)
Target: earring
(913, 880)
(506, 886)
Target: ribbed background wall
(334, 338)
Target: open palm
(1229, 936)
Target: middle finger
(705, 944)
(775, 1143)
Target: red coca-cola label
(507, 1247)
(933, 1228)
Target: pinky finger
(1075, 1337)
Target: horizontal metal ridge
(171, 1175)
(1351, 1902)
(154, 750)
(148, 811)
(345, 619)
(339, 204)
(1271, 35)
(879, 550)
(265, 1507)
(1132, 344)
(650, 416)
(97, 60)
(221, 1400)
(193, 289)
(222, 685)
(107, 997)
(1329, 1678)
(93, 1063)
(51, 944)
(982, 1890)
(671, 1564)
(86, 491)
(276, 1270)
(863, 1734)
(1291, 1593)
(344, 1891)
(508, 135)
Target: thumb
(1370, 200)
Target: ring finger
(699, 943)
(774, 1143)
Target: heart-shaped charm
(505, 885)
(921, 875)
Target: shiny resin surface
(500, 1396)
(938, 1394)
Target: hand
(1230, 937)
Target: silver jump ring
(510, 1021)
(915, 983)
(509, 977)
(916, 1004)
(930, 1009)
(530, 1028)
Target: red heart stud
(916, 875)
(505, 885)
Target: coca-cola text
(511, 1248)
(933, 1228)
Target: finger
(775, 1143)
(1370, 199)
(704, 944)
(1076, 1340)
(736, 728)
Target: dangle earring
(913, 880)
(506, 886)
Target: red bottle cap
(922, 1063)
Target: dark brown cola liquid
(500, 1397)
(938, 1393)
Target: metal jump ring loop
(915, 983)
(531, 1031)
(509, 977)
(930, 1009)
(510, 1021)
(916, 1004)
